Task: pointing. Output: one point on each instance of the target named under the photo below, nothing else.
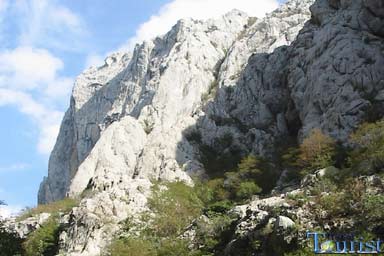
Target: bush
(174, 208)
(43, 241)
(247, 189)
(132, 247)
(215, 234)
(373, 208)
(64, 206)
(10, 242)
(216, 160)
(368, 156)
(175, 247)
(334, 204)
(221, 207)
(301, 252)
(252, 176)
(217, 191)
(316, 151)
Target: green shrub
(252, 176)
(221, 207)
(43, 241)
(222, 156)
(175, 247)
(212, 190)
(334, 204)
(259, 170)
(368, 156)
(316, 152)
(10, 242)
(63, 206)
(323, 185)
(174, 208)
(132, 247)
(301, 252)
(215, 234)
(373, 208)
(247, 189)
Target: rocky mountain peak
(236, 85)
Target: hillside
(248, 110)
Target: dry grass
(63, 206)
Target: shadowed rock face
(236, 85)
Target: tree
(368, 155)
(316, 151)
(45, 240)
(10, 242)
(253, 175)
(247, 189)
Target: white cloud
(48, 135)
(7, 211)
(30, 81)
(30, 78)
(197, 9)
(94, 60)
(14, 167)
(27, 68)
(59, 88)
(49, 24)
(46, 118)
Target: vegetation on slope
(10, 243)
(44, 241)
(340, 194)
(62, 206)
(175, 208)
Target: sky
(45, 44)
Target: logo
(343, 244)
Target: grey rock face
(160, 85)
(237, 85)
(336, 68)
(25, 227)
(330, 78)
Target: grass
(45, 240)
(63, 206)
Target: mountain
(201, 97)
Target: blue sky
(45, 44)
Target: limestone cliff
(243, 81)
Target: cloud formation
(7, 211)
(29, 81)
(28, 68)
(47, 23)
(14, 167)
(45, 118)
(170, 13)
(30, 78)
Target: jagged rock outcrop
(24, 227)
(330, 78)
(236, 85)
(285, 218)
